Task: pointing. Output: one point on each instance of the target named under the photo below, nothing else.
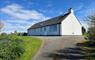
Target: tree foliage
(83, 30)
(91, 30)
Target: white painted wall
(71, 26)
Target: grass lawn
(31, 47)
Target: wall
(47, 30)
(71, 26)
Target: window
(53, 28)
(44, 28)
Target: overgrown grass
(31, 47)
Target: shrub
(83, 30)
(10, 48)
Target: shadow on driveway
(67, 54)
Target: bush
(10, 48)
(91, 33)
(91, 30)
(83, 30)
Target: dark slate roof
(55, 20)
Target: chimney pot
(70, 10)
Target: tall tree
(91, 29)
(1, 25)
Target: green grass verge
(31, 47)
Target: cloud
(85, 11)
(49, 4)
(23, 18)
(80, 7)
(19, 12)
(19, 25)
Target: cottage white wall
(71, 26)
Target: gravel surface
(52, 44)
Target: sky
(19, 15)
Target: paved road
(53, 44)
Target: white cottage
(66, 24)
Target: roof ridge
(50, 21)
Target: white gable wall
(71, 26)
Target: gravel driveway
(54, 43)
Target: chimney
(70, 10)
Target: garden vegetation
(11, 48)
(89, 45)
(14, 47)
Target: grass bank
(32, 45)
